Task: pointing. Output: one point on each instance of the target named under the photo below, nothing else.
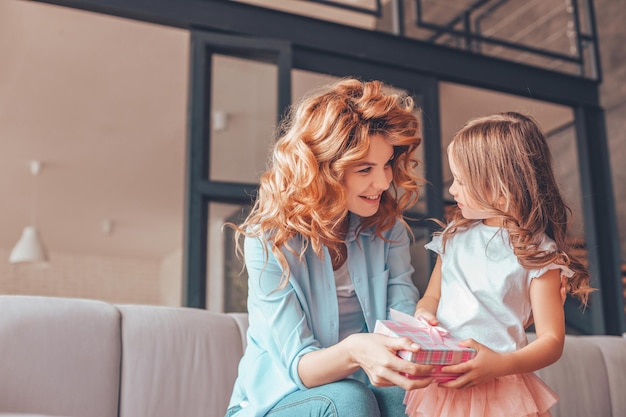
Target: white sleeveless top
(351, 319)
(485, 292)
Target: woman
(327, 254)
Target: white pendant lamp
(30, 248)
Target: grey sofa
(86, 358)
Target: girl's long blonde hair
(302, 193)
(506, 166)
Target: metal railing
(558, 35)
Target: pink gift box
(438, 347)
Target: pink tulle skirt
(524, 395)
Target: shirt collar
(355, 222)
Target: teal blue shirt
(304, 316)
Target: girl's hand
(376, 355)
(486, 365)
(427, 315)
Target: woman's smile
(371, 198)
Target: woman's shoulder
(264, 240)
(397, 229)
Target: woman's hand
(376, 355)
(486, 365)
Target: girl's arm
(545, 297)
(428, 304)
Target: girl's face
(458, 190)
(366, 180)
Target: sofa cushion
(60, 356)
(177, 361)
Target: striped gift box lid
(438, 346)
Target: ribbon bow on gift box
(436, 333)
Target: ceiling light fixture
(30, 248)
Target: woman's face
(368, 179)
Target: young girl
(327, 254)
(500, 262)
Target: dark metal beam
(447, 64)
(231, 193)
(431, 127)
(607, 305)
(196, 212)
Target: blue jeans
(345, 398)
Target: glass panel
(227, 280)
(305, 81)
(460, 103)
(421, 258)
(562, 145)
(244, 106)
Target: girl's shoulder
(546, 243)
(466, 228)
(468, 234)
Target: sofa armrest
(614, 353)
(60, 356)
(242, 323)
(589, 377)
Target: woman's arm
(545, 297)
(375, 353)
(278, 324)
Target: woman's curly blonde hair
(302, 192)
(505, 163)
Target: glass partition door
(240, 88)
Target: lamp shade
(29, 248)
